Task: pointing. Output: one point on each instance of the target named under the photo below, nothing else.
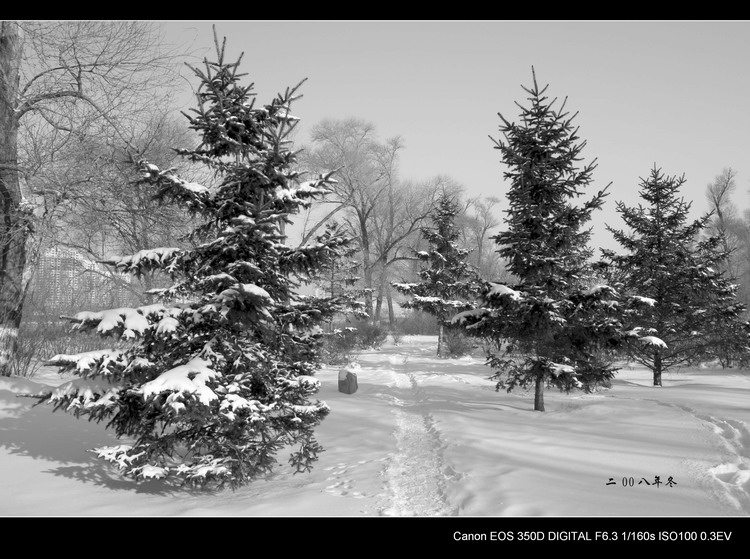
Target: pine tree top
(663, 220)
(545, 242)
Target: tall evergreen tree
(694, 309)
(553, 324)
(449, 284)
(219, 377)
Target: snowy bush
(418, 323)
(397, 337)
(370, 336)
(339, 346)
(456, 342)
(37, 340)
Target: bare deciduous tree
(105, 211)
(733, 229)
(352, 147)
(396, 224)
(58, 80)
(380, 211)
(478, 221)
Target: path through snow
(415, 474)
(729, 479)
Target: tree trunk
(539, 394)
(13, 232)
(368, 293)
(378, 305)
(657, 369)
(391, 313)
(440, 340)
(333, 294)
(366, 266)
(480, 250)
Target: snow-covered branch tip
(500, 290)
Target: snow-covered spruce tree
(695, 311)
(219, 377)
(449, 284)
(553, 325)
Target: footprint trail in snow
(415, 473)
(731, 478)
(733, 474)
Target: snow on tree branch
(190, 378)
(208, 390)
(143, 261)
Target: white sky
(670, 93)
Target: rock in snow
(348, 379)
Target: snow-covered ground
(430, 437)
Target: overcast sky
(670, 93)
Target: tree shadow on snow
(103, 475)
(36, 431)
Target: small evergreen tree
(219, 378)
(693, 310)
(449, 284)
(338, 279)
(553, 325)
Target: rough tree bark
(539, 393)
(13, 230)
(657, 369)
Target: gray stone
(347, 381)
